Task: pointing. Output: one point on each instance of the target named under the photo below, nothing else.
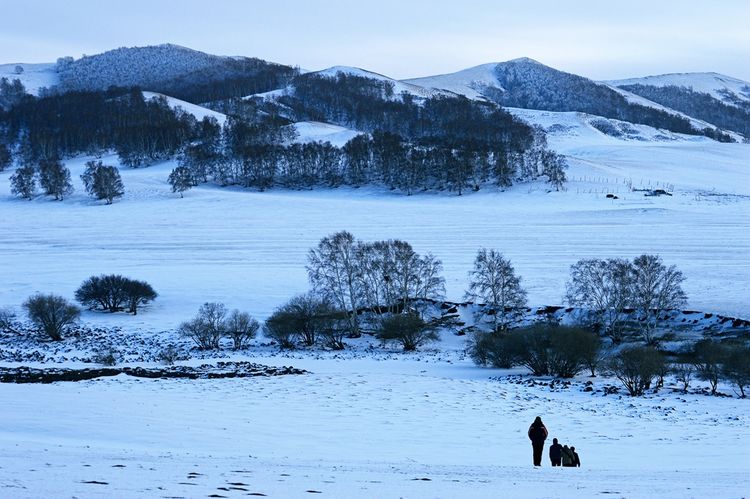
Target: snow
(34, 76)
(398, 86)
(371, 421)
(199, 112)
(714, 84)
(316, 131)
(429, 424)
(468, 82)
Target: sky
(599, 39)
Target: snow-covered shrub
(107, 356)
(170, 354)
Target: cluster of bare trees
(383, 275)
(214, 322)
(608, 289)
(52, 176)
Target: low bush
(51, 313)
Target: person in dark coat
(555, 453)
(567, 457)
(576, 459)
(537, 435)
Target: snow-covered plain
(373, 422)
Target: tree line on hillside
(442, 143)
(534, 86)
(699, 104)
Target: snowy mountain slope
(724, 88)
(198, 111)
(469, 82)
(695, 122)
(33, 77)
(315, 131)
(137, 66)
(398, 86)
(526, 83)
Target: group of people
(560, 455)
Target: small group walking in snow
(559, 455)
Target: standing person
(555, 453)
(567, 456)
(537, 435)
(576, 459)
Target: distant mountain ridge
(692, 103)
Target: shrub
(208, 327)
(282, 327)
(491, 348)
(636, 368)
(137, 293)
(408, 329)
(736, 368)
(51, 313)
(531, 348)
(169, 355)
(107, 356)
(111, 292)
(241, 328)
(7, 319)
(571, 350)
(683, 373)
(708, 356)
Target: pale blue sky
(599, 39)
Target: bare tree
(103, 181)
(51, 313)
(208, 327)
(181, 179)
(138, 293)
(23, 182)
(241, 328)
(494, 281)
(54, 178)
(656, 288)
(604, 288)
(334, 273)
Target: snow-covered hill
(398, 86)
(33, 76)
(136, 66)
(724, 88)
(199, 112)
(315, 131)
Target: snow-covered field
(376, 423)
(424, 425)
